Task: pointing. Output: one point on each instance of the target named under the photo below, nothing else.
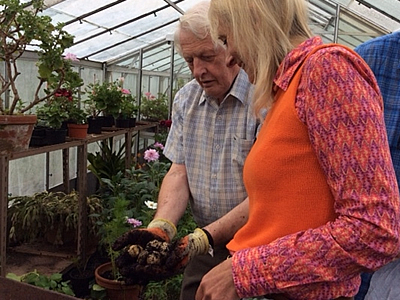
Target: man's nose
(199, 67)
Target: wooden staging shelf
(81, 145)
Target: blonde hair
(195, 20)
(264, 32)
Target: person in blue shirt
(382, 54)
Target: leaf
(97, 288)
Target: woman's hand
(218, 284)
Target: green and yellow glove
(182, 251)
(159, 229)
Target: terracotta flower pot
(16, 132)
(77, 131)
(116, 290)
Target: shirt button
(214, 176)
(217, 147)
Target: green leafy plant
(128, 107)
(107, 162)
(32, 217)
(53, 114)
(113, 225)
(19, 28)
(64, 104)
(154, 108)
(53, 282)
(141, 184)
(108, 98)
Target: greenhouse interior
(127, 45)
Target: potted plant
(19, 29)
(128, 110)
(52, 216)
(105, 98)
(52, 115)
(77, 122)
(116, 223)
(94, 120)
(154, 109)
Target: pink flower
(148, 95)
(71, 57)
(125, 91)
(134, 222)
(158, 145)
(151, 155)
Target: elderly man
(213, 129)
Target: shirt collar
(237, 90)
(292, 62)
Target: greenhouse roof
(114, 32)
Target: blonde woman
(323, 196)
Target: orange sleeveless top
(287, 188)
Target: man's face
(208, 65)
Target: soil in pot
(116, 290)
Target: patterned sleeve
(339, 103)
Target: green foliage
(64, 104)
(20, 27)
(109, 98)
(112, 225)
(154, 108)
(32, 216)
(52, 282)
(164, 290)
(128, 108)
(106, 163)
(141, 185)
(53, 113)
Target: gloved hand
(182, 251)
(161, 260)
(158, 229)
(143, 247)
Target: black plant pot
(95, 125)
(55, 136)
(122, 123)
(80, 281)
(132, 122)
(38, 138)
(108, 121)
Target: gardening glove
(197, 243)
(158, 229)
(161, 260)
(140, 265)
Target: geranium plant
(154, 108)
(109, 98)
(20, 28)
(64, 104)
